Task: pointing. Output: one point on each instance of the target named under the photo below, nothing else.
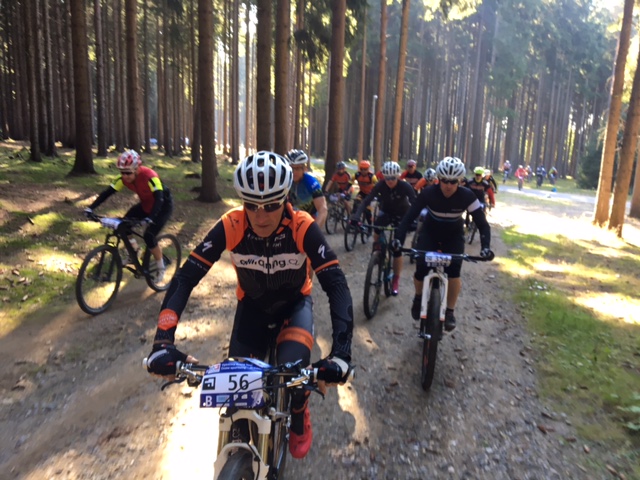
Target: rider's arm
(195, 267)
(333, 282)
(368, 199)
(480, 220)
(155, 185)
(328, 187)
(321, 207)
(110, 190)
(416, 206)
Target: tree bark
(283, 34)
(402, 56)
(29, 14)
(263, 76)
(133, 100)
(382, 88)
(100, 85)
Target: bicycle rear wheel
(238, 466)
(471, 232)
(372, 285)
(333, 217)
(99, 279)
(430, 332)
(172, 255)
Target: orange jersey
(366, 181)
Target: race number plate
(232, 384)
(111, 223)
(435, 259)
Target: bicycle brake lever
(177, 380)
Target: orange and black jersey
(272, 272)
(366, 181)
(479, 188)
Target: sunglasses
(448, 182)
(126, 173)
(390, 178)
(267, 207)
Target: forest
(483, 80)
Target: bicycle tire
(350, 237)
(388, 274)
(472, 232)
(172, 256)
(238, 466)
(372, 285)
(430, 328)
(94, 298)
(331, 225)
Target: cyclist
(506, 169)
(272, 248)
(306, 193)
(493, 190)
(395, 199)
(529, 171)
(156, 202)
(342, 180)
(477, 185)
(429, 178)
(521, 175)
(366, 181)
(541, 172)
(411, 174)
(553, 175)
(443, 230)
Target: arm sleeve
(334, 283)
(158, 201)
(367, 200)
(480, 220)
(418, 203)
(195, 267)
(102, 197)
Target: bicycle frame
(121, 235)
(436, 277)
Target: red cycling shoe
(299, 445)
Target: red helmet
(129, 160)
(364, 164)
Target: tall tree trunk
(601, 212)
(382, 88)
(30, 15)
(235, 78)
(84, 158)
(119, 91)
(208, 191)
(402, 56)
(627, 156)
(50, 149)
(248, 138)
(283, 34)
(133, 100)
(299, 66)
(146, 99)
(263, 76)
(100, 85)
(363, 98)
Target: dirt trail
(75, 403)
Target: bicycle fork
(432, 277)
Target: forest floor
(75, 402)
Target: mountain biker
(306, 193)
(553, 175)
(521, 175)
(156, 202)
(411, 175)
(488, 177)
(395, 198)
(443, 230)
(342, 180)
(541, 172)
(366, 181)
(529, 171)
(477, 185)
(506, 169)
(428, 179)
(272, 248)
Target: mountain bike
(337, 213)
(434, 305)
(520, 182)
(352, 232)
(472, 228)
(379, 271)
(100, 275)
(253, 398)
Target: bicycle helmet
(429, 174)
(391, 169)
(478, 170)
(450, 168)
(411, 163)
(297, 157)
(340, 165)
(364, 164)
(263, 177)
(128, 160)
(487, 172)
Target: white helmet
(391, 169)
(264, 177)
(450, 168)
(429, 174)
(297, 157)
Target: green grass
(588, 359)
(563, 185)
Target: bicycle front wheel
(333, 217)
(350, 237)
(372, 285)
(388, 275)
(99, 279)
(472, 232)
(430, 332)
(172, 256)
(238, 466)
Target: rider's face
(298, 172)
(447, 188)
(264, 223)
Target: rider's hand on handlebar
(331, 371)
(355, 222)
(162, 360)
(396, 245)
(487, 253)
(88, 212)
(146, 222)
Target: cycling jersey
(521, 173)
(479, 188)
(411, 178)
(272, 273)
(423, 183)
(366, 181)
(444, 217)
(304, 192)
(342, 180)
(393, 201)
(155, 198)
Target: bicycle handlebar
(412, 252)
